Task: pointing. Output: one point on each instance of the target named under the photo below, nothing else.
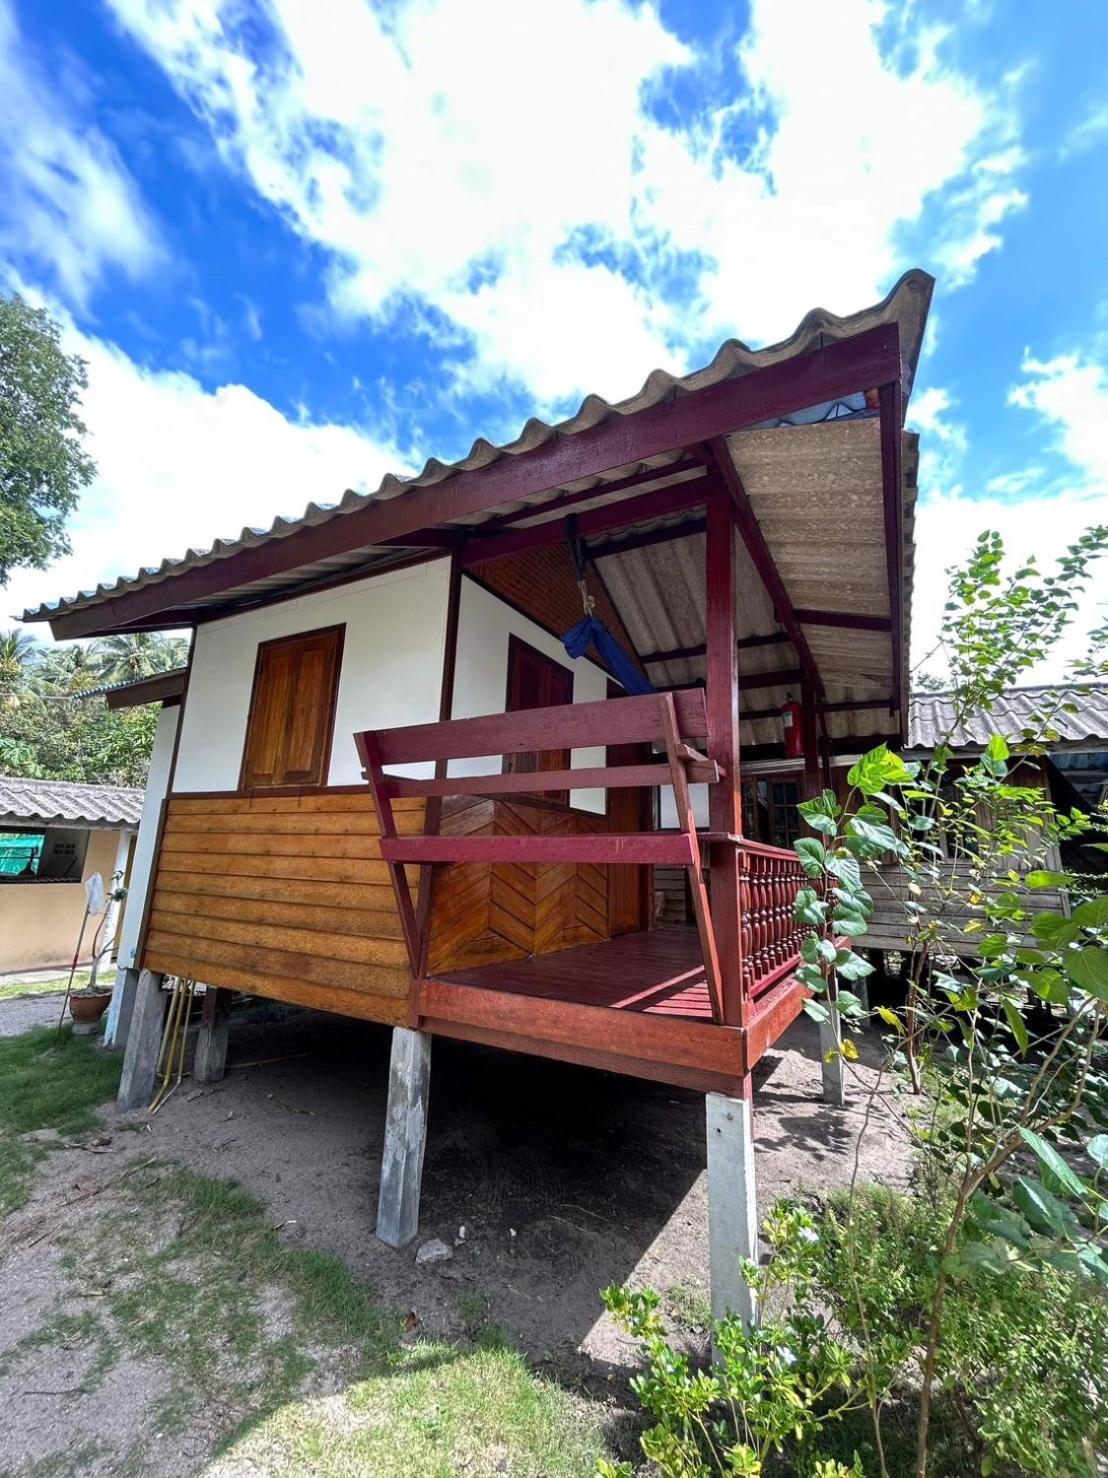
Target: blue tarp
(591, 631)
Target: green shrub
(1022, 1380)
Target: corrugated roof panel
(68, 803)
(906, 305)
(931, 717)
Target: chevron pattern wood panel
(482, 914)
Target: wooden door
(630, 889)
(536, 681)
(292, 711)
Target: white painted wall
(161, 756)
(391, 670)
(481, 677)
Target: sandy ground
(564, 1180)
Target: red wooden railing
(769, 880)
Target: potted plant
(87, 1005)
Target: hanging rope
(591, 631)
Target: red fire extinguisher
(794, 742)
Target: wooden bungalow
(354, 817)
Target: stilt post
(210, 1062)
(144, 1039)
(732, 1203)
(405, 1137)
(832, 1065)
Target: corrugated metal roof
(906, 305)
(931, 716)
(68, 803)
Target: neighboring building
(54, 834)
(744, 529)
(1072, 770)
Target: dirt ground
(548, 1182)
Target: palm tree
(128, 658)
(66, 669)
(18, 654)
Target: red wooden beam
(860, 705)
(663, 848)
(724, 799)
(764, 562)
(848, 620)
(828, 373)
(666, 535)
(657, 504)
(566, 501)
(891, 405)
(745, 643)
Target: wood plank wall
(283, 896)
(887, 927)
(481, 914)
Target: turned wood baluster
(746, 915)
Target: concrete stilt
(210, 1060)
(732, 1204)
(834, 1071)
(140, 1062)
(121, 1009)
(405, 1137)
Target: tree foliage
(52, 728)
(985, 1292)
(43, 464)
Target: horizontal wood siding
(888, 925)
(283, 896)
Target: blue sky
(303, 244)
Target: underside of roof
(906, 306)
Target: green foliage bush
(1022, 1378)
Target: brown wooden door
(630, 889)
(292, 711)
(536, 681)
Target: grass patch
(291, 1359)
(48, 1080)
(13, 990)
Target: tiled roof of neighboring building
(932, 714)
(68, 803)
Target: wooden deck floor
(659, 972)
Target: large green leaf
(1097, 1149)
(1017, 1024)
(1043, 1210)
(1060, 1176)
(811, 854)
(1088, 968)
(1041, 877)
(1092, 915)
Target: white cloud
(455, 155)
(947, 525)
(1070, 392)
(67, 201)
(1092, 130)
(178, 464)
(943, 442)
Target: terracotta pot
(89, 1008)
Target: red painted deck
(660, 973)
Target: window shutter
(288, 733)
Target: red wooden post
(809, 740)
(725, 803)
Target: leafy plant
(43, 464)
